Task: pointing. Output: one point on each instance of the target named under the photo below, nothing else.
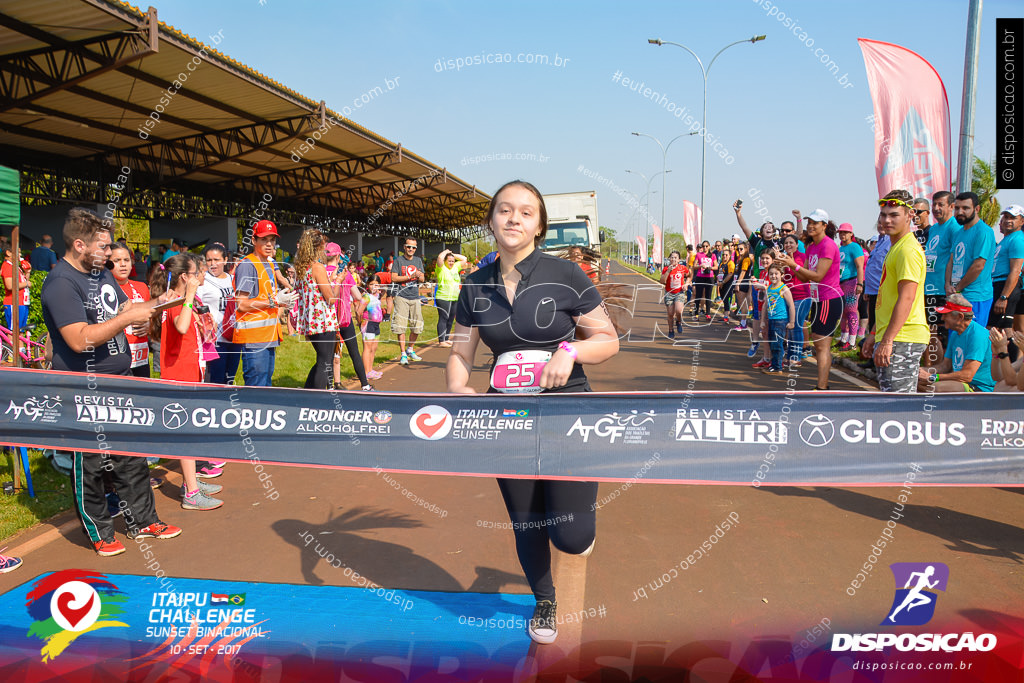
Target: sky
(793, 131)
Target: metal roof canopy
(75, 99)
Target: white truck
(572, 221)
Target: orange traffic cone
(608, 267)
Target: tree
(674, 240)
(983, 184)
(609, 241)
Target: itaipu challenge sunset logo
(69, 604)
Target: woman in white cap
(821, 272)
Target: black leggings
(445, 318)
(348, 335)
(322, 373)
(702, 294)
(725, 290)
(536, 509)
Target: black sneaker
(542, 627)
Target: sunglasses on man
(889, 203)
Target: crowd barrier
(749, 438)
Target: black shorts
(1005, 321)
(825, 316)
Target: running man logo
(914, 603)
(70, 603)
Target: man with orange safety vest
(253, 322)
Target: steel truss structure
(72, 97)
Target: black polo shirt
(550, 294)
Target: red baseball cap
(264, 228)
(950, 307)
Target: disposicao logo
(914, 604)
(71, 603)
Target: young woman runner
(527, 289)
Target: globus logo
(176, 416)
(819, 430)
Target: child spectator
(373, 315)
(181, 358)
(778, 316)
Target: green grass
(295, 355)
(294, 358)
(53, 494)
(638, 269)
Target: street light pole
(647, 194)
(704, 120)
(664, 159)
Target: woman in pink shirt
(821, 272)
(704, 265)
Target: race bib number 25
(518, 372)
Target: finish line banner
(770, 438)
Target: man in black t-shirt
(81, 302)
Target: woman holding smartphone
(821, 272)
(527, 289)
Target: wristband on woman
(188, 304)
(568, 348)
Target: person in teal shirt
(969, 271)
(851, 281)
(936, 249)
(968, 362)
(1006, 271)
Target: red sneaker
(108, 548)
(158, 530)
(762, 363)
